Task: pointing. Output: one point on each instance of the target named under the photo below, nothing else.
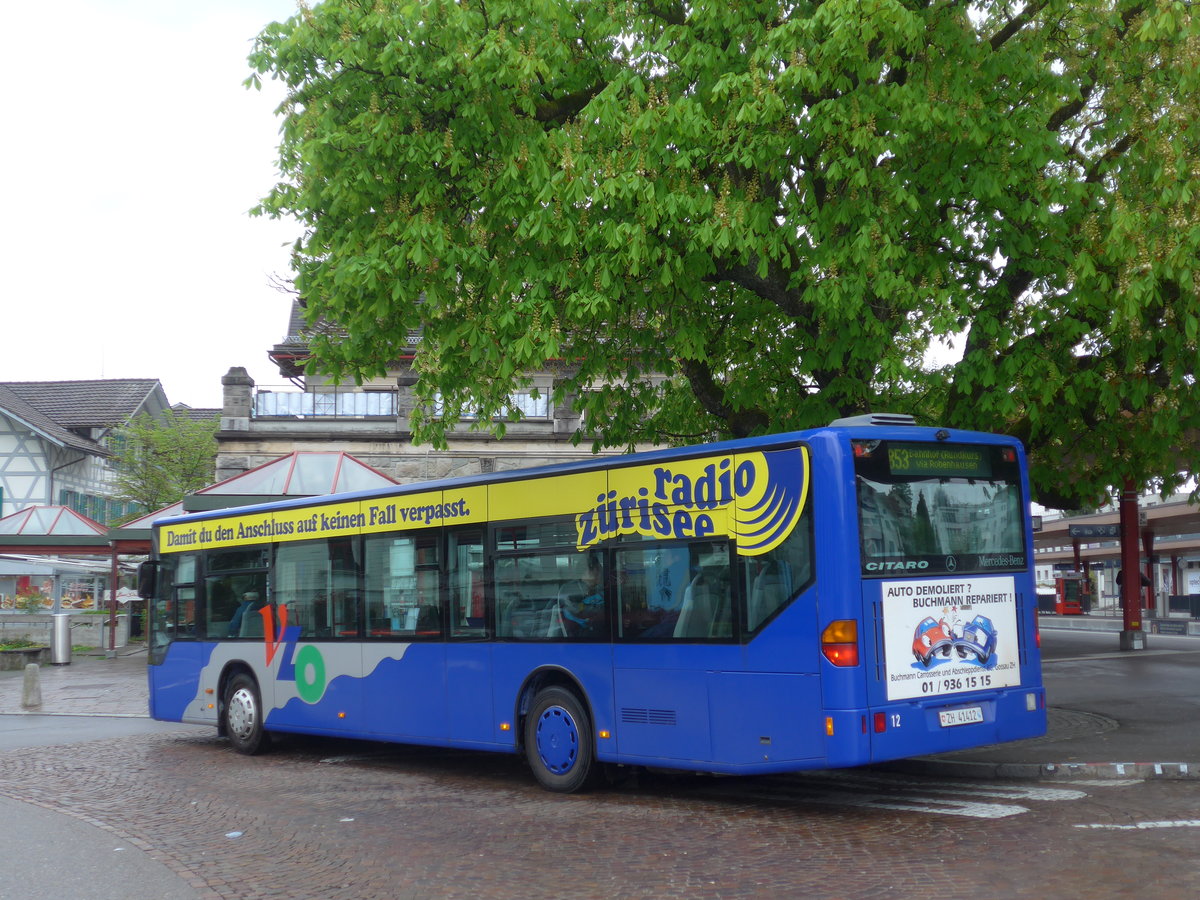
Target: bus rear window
(938, 508)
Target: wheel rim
(557, 740)
(242, 714)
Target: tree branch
(772, 288)
(1016, 23)
(711, 396)
(563, 108)
(673, 12)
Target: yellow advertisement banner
(557, 495)
(401, 513)
(756, 498)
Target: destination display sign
(939, 461)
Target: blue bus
(833, 597)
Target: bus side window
(317, 582)
(235, 585)
(222, 605)
(402, 580)
(232, 603)
(675, 593)
(185, 612)
(299, 583)
(579, 608)
(774, 578)
(705, 611)
(465, 587)
(551, 595)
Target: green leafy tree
(983, 214)
(159, 460)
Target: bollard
(31, 690)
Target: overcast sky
(131, 154)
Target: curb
(1062, 725)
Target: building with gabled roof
(55, 441)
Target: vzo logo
(305, 666)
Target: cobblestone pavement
(91, 685)
(330, 820)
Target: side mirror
(147, 579)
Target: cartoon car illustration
(979, 638)
(929, 639)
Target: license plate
(951, 717)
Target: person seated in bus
(429, 619)
(581, 602)
(250, 603)
(636, 616)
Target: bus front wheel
(558, 741)
(243, 714)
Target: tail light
(839, 642)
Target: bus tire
(243, 715)
(558, 741)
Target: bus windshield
(938, 508)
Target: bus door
(469, 650)
(674, 628)
(719, 650)
(312, 637)
(403, 649)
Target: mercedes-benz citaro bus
(833, 597)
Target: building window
(525, 402)
(333, 404)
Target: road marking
(1142, 826)
(935, 807)
(849, 796)
(867, 789)
(875, 790)
(1000, 792)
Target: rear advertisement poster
(950, 636)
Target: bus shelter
(1168, 534)
(49, 553)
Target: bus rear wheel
(243, 715)
(558, 741)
